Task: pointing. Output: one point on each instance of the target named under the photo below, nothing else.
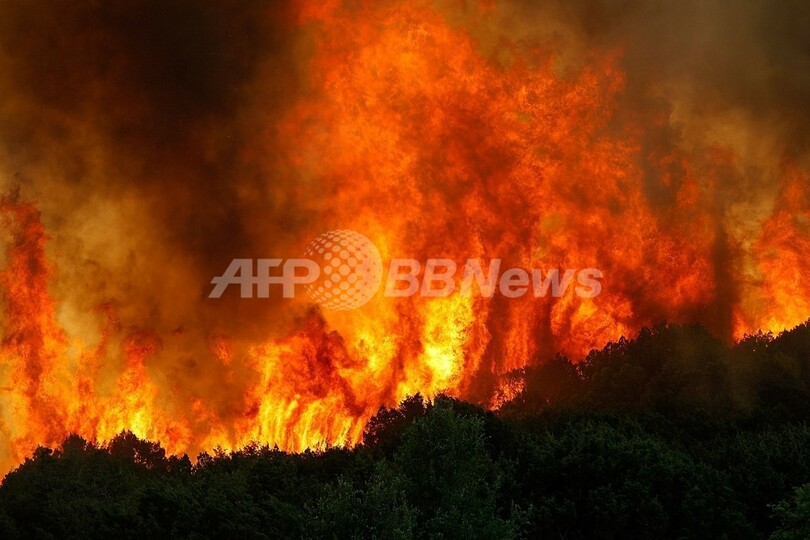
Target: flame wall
(145, 145)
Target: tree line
(674, 434)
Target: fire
(433, 140)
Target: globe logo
(351, 270)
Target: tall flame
(434, 139)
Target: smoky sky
(171, 97)
(161, 139)
(154, 81)
(157, 90)
(751, 55)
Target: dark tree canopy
(674, 434)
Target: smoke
(126, 123)
(159, 140)
(719, 90)
(138, 127)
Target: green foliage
(598, 479)
(672, 435)
(384, 430)
(376, 509)
(451, 477)
(793, 516)
(665, 367)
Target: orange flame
(432, 146)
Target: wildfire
(434, 139)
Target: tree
(794, 516)
(451, 479)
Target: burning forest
(144, 146)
